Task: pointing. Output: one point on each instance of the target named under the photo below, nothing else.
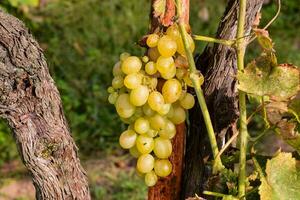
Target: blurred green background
(82, 40)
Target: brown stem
(31, 104)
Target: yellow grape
(166, 46)
(151, 179)
(139, 95)
(173, 32)
(152, 40)
(188, 101)
(124, 55)
(162, 167)
(169, 130)
(134, 152)
(179, 115)
(144, 144)
(145, 59)
(127, 139)
(150, 68)
(164, 109)
(153, 53)
(152, 133)
(180, 72)
(170, 73)
(117, 82)
(117, 71)
(132, 81)
(131, 64)
(180, 46)
(147, 110)
(162, 148)
(155, 100)
(152, 82)
(145, 163)
(112, 98)
(157, 122)
(171, 90)
(123, 106)
(141, 125)
(163, 64)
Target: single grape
(145, 59)
(110, 90)
(179, 115)
(147, 110)
(163, 64)
(157, 122)
(152, 40)
(150, 68)
(141, 125)
(180, 46)
(171, 90)
(152, 133)
(117, 82)
(134, 152)
(173, 32)
(166, 46)
(117, 71)
(127, 139)
(188, 101)
(124, 55)
(151, 179)
(132, 81)
(145, 163)
(139, 95)
(170, 73)
(169, 130)
(112, 98)
(163, 168)
(164, 109)
(162, 148)
(123, 106)
(144, 144)
(131, 64)
(155, 100)
(153, 53)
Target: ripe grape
(117, 71)
(157, 122)
(151, 179)
(145, 59)
(163, 64)
(112, 98)
(162, 167)
(127, 139)
(179, 115)
(152, 133)
(132, 81)
(180, 46)
(150, 68)
(145, 163)
(188, 101)
(117, 82)
(134, 152)
(166, 46)
(131, 64)
(155, 100)
(123, 106)
(144, 144)
(153, 53)
(141, 125)
(152, 40)
(162, 147)
(170, 73)
(171, 90)
(139, 95)
(173, 32)
(168, 131)
(164, 109)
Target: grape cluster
(150, 94)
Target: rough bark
(31, 104)
(218, 64)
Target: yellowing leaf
(159, 8)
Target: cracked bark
(218, 64)
(31, 104)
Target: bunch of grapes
(150, 94)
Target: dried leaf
(159, 8)
(263, 39)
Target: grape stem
(214, 40)
(240, 48)
(196, 80)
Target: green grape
(132, 81)
(180, 72)
(117, 82)
(169, 130)
(138, 112)
(112, 98)
(127, 139)
(170, 73)
(180, 46)
(145, 59)
(170, 114)
(145, 163)
(110, 90)
(139, 95)
(117, 71)
(144, 144)
(163, 64)
(162, 148)
(153, 53)
(150, 68)
(152, 133)
(173, 32)
(157, 122)
(163, 168)
(151, 179)
(147, 110)
(141, 125)
(188, 101)
(155, 100)
(166, 46)
(124, 55)
(131, 64)
(152, 40)
(123, 106)
(134, 152)
(171, 90)
(178, 116)
(164, 109)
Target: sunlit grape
(162, 148)
(164, 109)
(141, 125)
(170, 73)
(131, 64)
(145, 163)
(168, 131)
(166, 46)
(157, 122)
(132, 81)
(155, 100)
(127, 139)
(150, 68)
(162, 167)
(171, 90)
(180, 46)
(188, 101)
(145, 59)
(152, 40)
(163, 64)
(144, 144)
(151, 179)
(152, 133)
(139, 95)
(123, 106)
(179, 115)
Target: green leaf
(16, 3)
(264, 77)
(282, 180)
